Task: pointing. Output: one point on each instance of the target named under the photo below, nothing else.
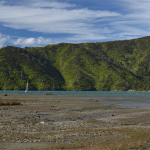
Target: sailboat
(26, 87)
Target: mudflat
(70, 122)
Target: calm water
(126, 99)
(77, 92)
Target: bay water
(123, 99)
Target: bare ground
(65, 122)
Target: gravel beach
(47, 121)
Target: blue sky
(42, 22)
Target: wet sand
(43, 120)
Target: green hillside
(114, 65)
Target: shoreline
(48, 121)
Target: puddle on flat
(77, 108)
(85, 108)
(46, 113)
(72, 109)
(64, 119)
(122, 103)
(37, 117)
(42, 116)
(40, 113)
(93, 108)
(81, 109)
(68, 142)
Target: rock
(5, 94)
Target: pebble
(52, 132)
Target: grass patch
(9, 102)
(137, 134)
(3, 124)
(115, 145)
(122, 139)
(48, 94)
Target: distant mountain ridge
(104, 66)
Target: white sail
(26, 87)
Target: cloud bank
(130, 20)
(31, 41)
(53, 19)
(3, 39)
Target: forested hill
(114, 65)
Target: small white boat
(26, 87)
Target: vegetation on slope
(114, 65)
(19, 65)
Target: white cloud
(31, 41)
(34, 17)
(22, 41)
(3, 39)
(80, 24)
(134, 21)
(137, 11)
(41, 40)
(2, 2)
(136, 5)
(51, 4)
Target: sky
(28, 23)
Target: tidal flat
(42, 122)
